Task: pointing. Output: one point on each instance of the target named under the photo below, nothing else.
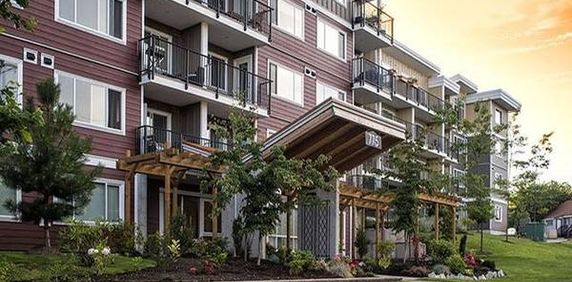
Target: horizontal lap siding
(291, 52)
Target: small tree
(52, 166)
(9, 13)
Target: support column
(167, 202)
(214, 216)
(376, 229)
(141, 208)
(341, 229)
(382, 223)
(204, 120)
(436, 222)
(128, 197)
(454, 224)
(354, 227)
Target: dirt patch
(235, 269)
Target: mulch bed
(235, 269)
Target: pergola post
(454, 224)
(128, 196)
(354, 227)
(436, 222)
(342, 226)
(167, 201)
(377, 218)
(214, 215)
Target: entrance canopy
(349, 135)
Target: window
(342, 2)
(498, 116)
(498, 213)
(286, 84)
(95, 104)
(288, 17)
(105, 204)
(218, 71)
(7, 194)
(499, 151)
(105, 17)
(324, 92)
(278, 239)
(11, 74)
(331, 40)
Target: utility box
(535, 231)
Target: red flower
(193, 270)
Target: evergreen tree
(51, 167)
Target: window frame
(345, 34)
(224, 60)
(20, 73)
(122, 40)
(88, 125)
(325, 85)
(500, 114)
(499, 209)
(13, 217)
(284, 30)
(106, 182)
(276, 95)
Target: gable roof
(563, 209)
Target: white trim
(325, 23)
(122, 40)
(329, 14)
(270, 132)
(442, 80)
(209, 75)
(282, 29)
(402, 48)
(510, 103)
(12, 218)
(47, 56)
(276, 95)
(236, 78)
(107, 86)
(20, 65)
(106, 162)
(319, 82)
(169, 51)
(26, 51)
(462, 80)
(114, 182)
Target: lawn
(525, 260)
(35, 266)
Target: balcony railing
(369, 14)
(255, 14)
(161, 57)
(368, 72)
(368, 182)
(155, 139)
(419, 96)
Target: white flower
(96, 251)
(106, 251)
(91, 251)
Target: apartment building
(147, 78)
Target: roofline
(496, 94)
(461, 79)
(416, 56)
(445, 81)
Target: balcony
(435, 145)
(151, 139)
(427, 104)
(235, 24)
(180, 76)
(367, 182)
(372, 26)
(371, 82)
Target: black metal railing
(368, 182)
(368, 72)
(160, 57)
(255, 14)
(368, 14)
(418, 95)
(155, 139)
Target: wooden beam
(167, 202)
(436, 222)
(318, 138)
(128, 197)
(454, 224)
(214, 215)
(377, 219)
(354, 226)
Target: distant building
(560, 219)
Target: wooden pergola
(170, 164)
(355, 197)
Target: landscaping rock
(432, 275)
(482, 277)
(501, 273)
(441, 276)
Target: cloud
(551, 42)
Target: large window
(7, 194)
(288, 17)
(95, 104)
(11, 73)
(105, 17)
(278, 239)
(286, 84)
(331, 40)
(105, 203)
(324, 92)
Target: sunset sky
(521, 46)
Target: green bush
(441, 269)
(463, 245)
(181, 230)
(299, 261)
(440, 250)
(120, 237)
(78, 237)
(154, 246)
(10, 271)
(361, 242)
(212, 250)
(456, 264)
(339, 267)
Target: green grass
(526, 260)
(35, 265)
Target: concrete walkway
(380, 278)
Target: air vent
(30, 56)
(311, 9)
(309, 72)
(47, 61)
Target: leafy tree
(536, 200)
(10, 13)
(52, 167)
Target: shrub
(78, 237)
(441, 269)
(212, 250)
(471, 260)
(463, 245)
(361, 242)
(10, 271)
(181, 231)
(339, 267)
(417, 271)
(490, 264)
(300, 260)
(384, 251)
(440, 250)
(154, 246)
(456, 264)
(120, 237)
